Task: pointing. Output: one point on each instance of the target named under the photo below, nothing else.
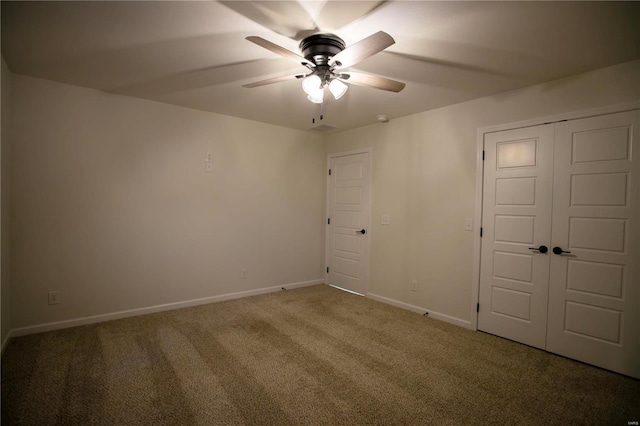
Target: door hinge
(478, 307)
(481, 232)
(328, 221)
(483, 155)
(327, 269)
(329, 172)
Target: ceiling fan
(325, 55)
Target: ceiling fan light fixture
(337, 88)
(311, 84)
(323, 54)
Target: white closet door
(516, 219)
(594, 293)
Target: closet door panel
(594, 285)
(516, 219)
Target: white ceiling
(195, 54)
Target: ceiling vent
(323, 128)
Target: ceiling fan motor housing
(318, 48)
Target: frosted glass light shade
(337, 88)
(316, 96)
(311, 84)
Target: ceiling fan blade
(446, 63)
(204, 78)
(286, 53)
(363, 49)
(370, 80)
(288, 18)
(338, 14)
(274, 80)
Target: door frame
(480, 135)
(369, 205)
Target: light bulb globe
(337, 88)
(316, 96)
(311, 84)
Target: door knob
(362, 231)
(558, 250)
(541, 249)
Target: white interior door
(516, 220)
(594, 293)
(348, 222)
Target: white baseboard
(6, 340)
(23, 331)
(436, 315)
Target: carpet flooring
(310, 356)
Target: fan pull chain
(313, 119)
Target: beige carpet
(309, 356)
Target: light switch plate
(468, 224)
(385, 219)
(208, 163)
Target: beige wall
(424, 177)
(5, 317)
(112, 207)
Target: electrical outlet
(414, 285)
(244, 273)
(54, 297)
